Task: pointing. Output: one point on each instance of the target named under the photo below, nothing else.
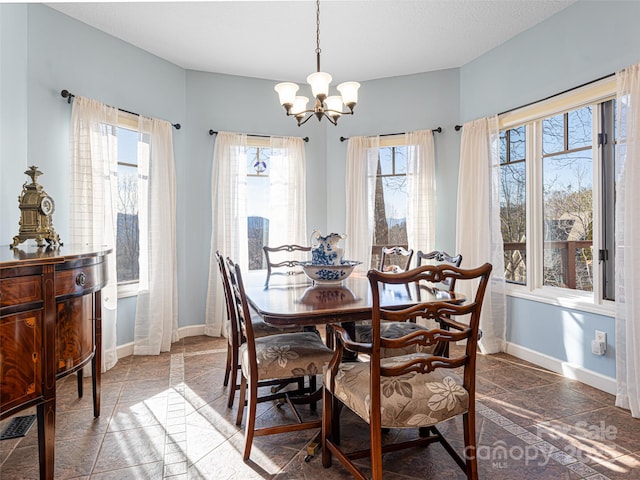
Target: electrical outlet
(601, 337)
(598, 348)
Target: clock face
(47, 206)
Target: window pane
(386, 161)
(257, 161)
(503, 146)
(128, 244)
(517, 144)
(568, 221)
(400, 162)
(513, 216)
(553, 134)
(257, 218)
(579, 131)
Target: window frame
(531, 117)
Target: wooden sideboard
(50, 327)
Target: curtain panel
(93, 204)
(478, 232)
(156, 321)
(627, 239)
(360, 184)
(421, 190)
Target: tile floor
(165, 417)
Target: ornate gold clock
(36, 213)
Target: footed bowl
(329, 274)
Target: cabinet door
(20, 358)
(74, 332)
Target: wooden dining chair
(392, 260)
(408, 391)
(284, 260)
(235, 337)
(272, 360)
(395, 259)
(438, 257)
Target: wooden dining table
(295, 300)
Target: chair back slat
(438, 257)
(284, 260)
(395, 259)
(243, 313)
(234, 335)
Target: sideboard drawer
(78, 280)
(20, 290)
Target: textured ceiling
(360, 40)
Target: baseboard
(569, 370)
(189, 331)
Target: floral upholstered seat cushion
(411, 400)
(393, 330)
(287, 355)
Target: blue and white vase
(325, 249)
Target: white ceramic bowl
(329, 274)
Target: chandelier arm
(300, 123)
(330, 118)
(349, 112)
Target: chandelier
(325, 106)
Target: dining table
(296, 300)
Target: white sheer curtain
(287, 192)
(478, 233)
(94, 193)
(421, 190)
(229, 225)
(360, 184)
(156, 321)
(628, 240)
(287, 200)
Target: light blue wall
(582, 43)
(13, 115)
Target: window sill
(561, 298)
(128, 290)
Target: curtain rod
(436, 130)
(459, 127)
(215, 132)
(68, 95)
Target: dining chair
(284, 260)
(271, 360)
(437, 257)
(400, 255)
(408, 391)
(363, 330)
(235, 337)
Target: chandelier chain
(318, 27)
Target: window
(557, 198)
(128, 235)
(390, 213)
(258, 205)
